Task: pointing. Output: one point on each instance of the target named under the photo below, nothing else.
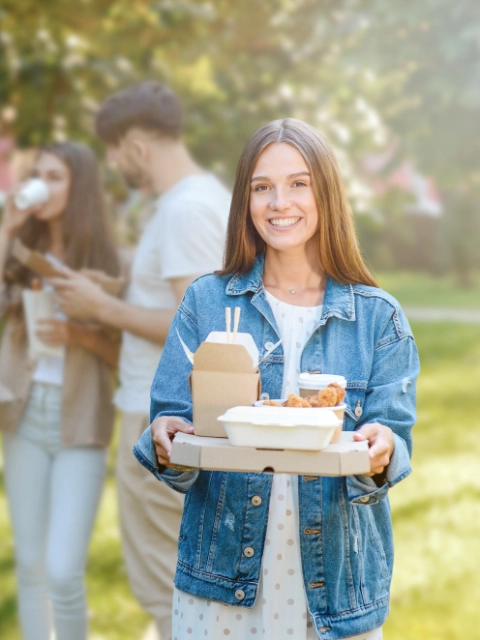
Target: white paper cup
(34, 192)
(308, 383)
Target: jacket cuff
(364, 490)
(144, 452)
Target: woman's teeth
(284, 222)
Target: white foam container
(280, 427)
(338, 410)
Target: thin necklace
(291, 291)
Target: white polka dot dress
(281, 609)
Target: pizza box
(342, 458)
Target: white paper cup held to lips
(34, 192)
(310, 383)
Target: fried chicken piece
(341, 393)
(271, 403)
(296, 401)
(331, 395)
(327, 397)
(312, 401)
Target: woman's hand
(13, 218)
(381, 445)
(55, 333)
(163, 431)
(78, 297)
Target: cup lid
(319, 380)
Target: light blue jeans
(53, 494)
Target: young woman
(291, 556)
(58, 427)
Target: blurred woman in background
(58, 426)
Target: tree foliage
(428, 56)
(236, 65)
(362, 71)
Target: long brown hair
(339, 251)
(87, 234)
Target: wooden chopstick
(236, 320)
(228, 322)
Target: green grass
(417, 289)
(436, 515)
(436, 512)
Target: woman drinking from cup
(59, 423)
(298, 557)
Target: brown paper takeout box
(343, 458)
(223, 376)
(46, 268)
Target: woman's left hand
(54, 332)
(381, 444)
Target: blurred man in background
(142, 127)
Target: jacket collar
(338, 301)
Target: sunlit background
(395, 86)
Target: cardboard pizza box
(343, 458)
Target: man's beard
(136, 178)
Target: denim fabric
(345, 524)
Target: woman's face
(282, 204)
(56, 174)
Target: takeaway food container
(280, 427)
(338, 410)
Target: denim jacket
(345, 525)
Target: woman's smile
(284, 223)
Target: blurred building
(384, 173)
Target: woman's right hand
(163, 431)
(13, 218)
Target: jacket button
(239, 594)
(364, 499)
(269, 345)
(256, 501)
(248, 551)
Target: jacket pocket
(374, 536)
(375, 573)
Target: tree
(236, 65)
(426, 57)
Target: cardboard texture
(343, 458)
(223, 376)
(37, 262)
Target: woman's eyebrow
(300, 173)
(292, 175)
